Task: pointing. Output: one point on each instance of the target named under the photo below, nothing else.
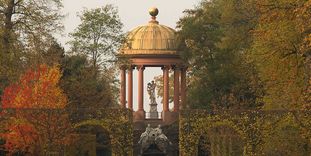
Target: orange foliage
(36, 89)
(38, 120)
(20, 137)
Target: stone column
(183, 87)
(176, 88)
(130, 88)
(165, 88)
(141, 88)
(123, 86)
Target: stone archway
(94, 135)
(204, 146)
(195, 123)
(120, 134)
(103, 148)
(117, 123)
(224, 140)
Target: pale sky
(133, 13)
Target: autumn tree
(249, 53)
(281, 50)
(38, 123)
(98, 36)
(26, 27)
(28, 20)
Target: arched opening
(204, 146)
(93, 140)
(103, 147)
(220, 140)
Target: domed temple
(152, 45)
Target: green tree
(217, 39)
(84, 90)
(159, 86)
(55, 54)
(51, 53)
(98, 36)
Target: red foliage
(32, 124)
(36, 89)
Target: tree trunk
(8, 25)
(308, 89)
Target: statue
(160, 135)
(151, 91)
(153, 104)
(161, 140)
(145, 134)
(153, 136)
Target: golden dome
(152, 38)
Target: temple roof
(152, 38)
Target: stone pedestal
(153, 111)
(154, 115)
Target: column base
(139, 115)
(169, 117)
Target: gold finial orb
(153, 11)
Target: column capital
(140, 67)
(130, 67)
(123, 67)
(166, 67)
(177, 67)
(183, 67)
